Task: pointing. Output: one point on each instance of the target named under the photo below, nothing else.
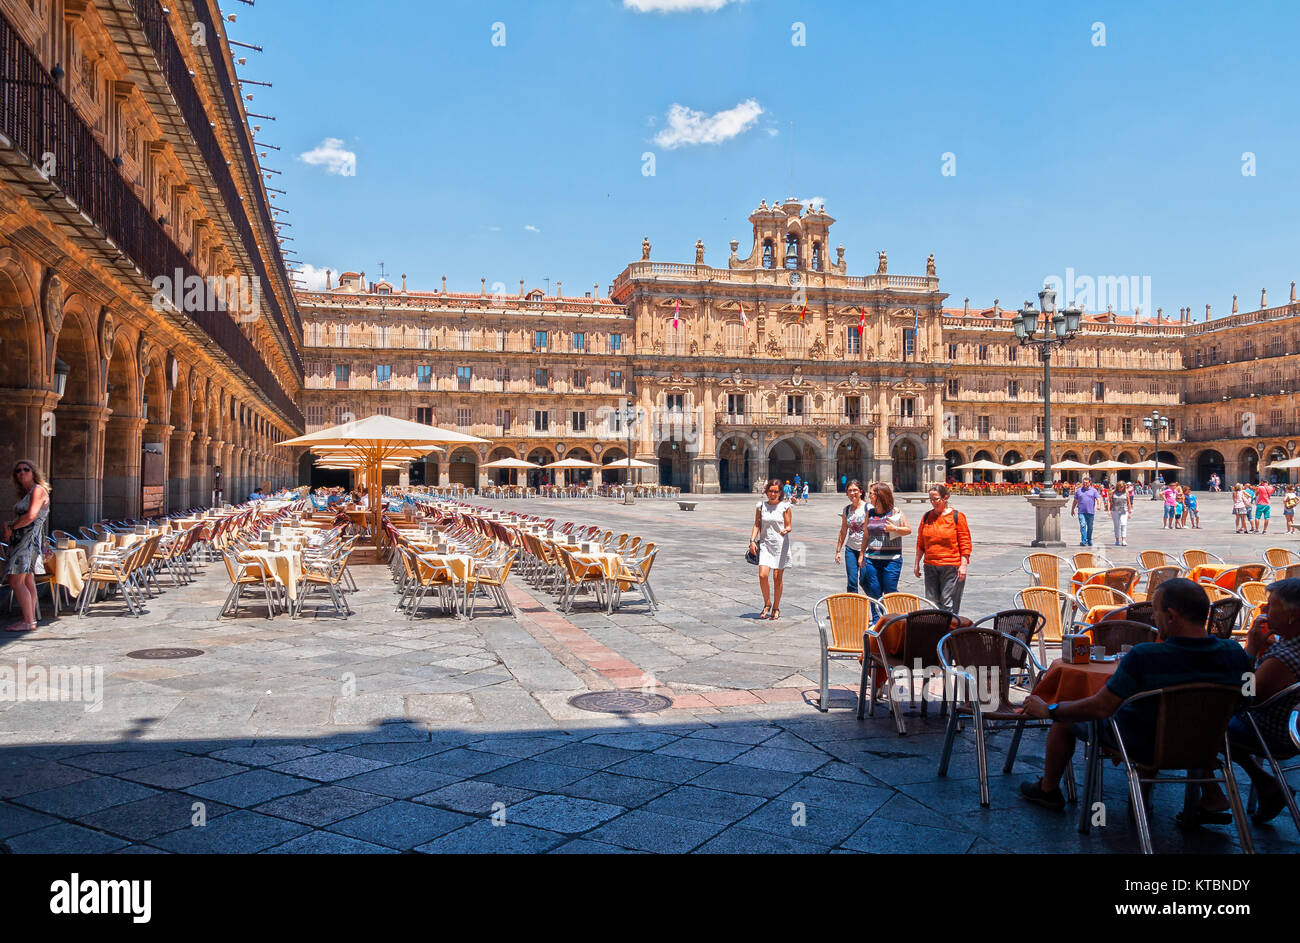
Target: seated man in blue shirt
(1185, 654)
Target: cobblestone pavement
(375, 733)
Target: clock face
(795, 278)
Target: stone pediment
(908, 386)
(736, 379)
(900, 314)
(852, 382)
(675, 380)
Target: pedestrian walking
(1289, 502)
(1239, 507)
(1121, 508)
(1263, 506)
(943, 547)
(1084, 505)
(770, 540)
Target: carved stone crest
(818, 350)
(173, 371)
(107, 334)
(142, 352)
(52, 303)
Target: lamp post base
(1047, 519)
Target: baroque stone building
(148, 333)
(783, 363)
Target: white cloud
(335, 158)
(313, 278)
(531, 228)
(676, 6)
(815, 201)
(688, 126)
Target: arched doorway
(1274, 475)
(462, 467)
(907, 466)
(850, 463)
(1012, 458)
(501, 476)
(674, 465)
(790, 457)
(540, 476)
(122, 435)
(982, 474)
(1126, 474)
(951, 459)
(77, 433)
(579, 476)
(614, 467)
(735, 466)
(1170, 475)
(1210, 462)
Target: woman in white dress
(770, 539)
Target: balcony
(779, 417)
(101, 209)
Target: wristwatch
(1051, 711)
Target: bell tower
(788, 237)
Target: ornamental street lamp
(629, 417)
(1154, 423)
(1045, 329)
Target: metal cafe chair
(840, 618)
(918, 647)
(1290, 693)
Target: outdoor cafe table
(459, 565)
(1214, 571)
(609, 563)
(1085, 575)
(68, 568)
(1064, 681)
(283, 566)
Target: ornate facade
(782, 363)
(125, 158)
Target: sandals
(776, 613)
(21, 627)
(764, 613)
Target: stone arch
(22, 329)
(122, 435)
(1275, 453)
(1012, 457)
(1210, 462)
(77, 431)
(462, 467)
(736, 464)
(540, 455)
(796, 454)
(907, 452)
(951, 459)
(852, 457)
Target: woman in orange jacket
(943, 545)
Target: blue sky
(1122, 159)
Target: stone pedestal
(1047, 519)
(704, 476)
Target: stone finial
(645, 249)
(328, 273)
(403, 281)
(995, 306)
(444, 284)
(1159, 312)
(521, 288)
(839, 255)
(1263, 297)
(699, 251)
(965, 306)
(1207, 312)
(1234, 304)
(1293, 293)
(482, 286)
(929, 266)
(559, 289)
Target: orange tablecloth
(1068, 682)
(609, 562)
(1213, 570)
(1084, 575)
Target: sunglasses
(22, 468)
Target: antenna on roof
(383, 276)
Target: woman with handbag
(26, 537)
(770, 541)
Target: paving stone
(322, 805)
(747, 841)
(484, 838)
(475, 798)
(267, 754)
(328, 843)
(183, 773)
(581, 846)
(532, 774)
(398, 782)
(669, 769)
(250, 788)
(121, 760)
(34, 776)
(240, 832)
(462, 762)
(328, 767)
(712, 751)
(63, 839)
(144, 819)
(562, 813)
(789, 761)
(704, 805)
(626, 791)
(647, 831)
(586, 755)
(401, 825)
(886, 836)
(14, 820)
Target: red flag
(802, 312)
(676, 307)
(743, 319)
(862, 322)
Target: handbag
(751, 557)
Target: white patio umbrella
(511, 462)
(1070, 464)
(1150, 464)
(569, 464)
(1110, 465)
(983, 464)
(1027, 465)
(1287, 463)
(625, 464)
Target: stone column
(26, 416)
(78, 469)
(704, 476)
(122, 482)
(178, 472)
(200, 471)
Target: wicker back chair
(1150, 559)
(1223, 617)
(1050, 603)
(846, 617)
(918, 646)
(1279, 557)
(1045, 569)
(1193, 558)
(1115, 634)
(1024, 625)
(1156, 576)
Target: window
(953, 385)
(463, 414)
(1126, 427)
(853, 340)
(383, 410)
(952, 351)
(503, 420)
(909, 343)
(381, 336)
(315, 415)
(579, 341)
(1013, 389)
(983, 351)
(735, 339)
(424, 414)
(503, 377)
(794, 340)
(578, 421)
(791, 251)
(539, 340)
(735, 404)
(853, 409)
(768, 254)
(1099, 427)
(313, 333)
(675, 402)
(1013, 424)
(383, 372)
(906, 406)
(462, 378)
(341, 415)
(674, 339)
(579, 379)
(1038, 424)
(541, 420)
(1070, 426)
(1173, 434)
(817, 257)
(342, 336)
(1012, 353)
(423, 338)
(982, 425)
(1099, 391)
(463, 341)
(615, 343)
(794, 406)
(541, 378)
(616, 379)
(424, 377)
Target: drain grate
(621, 702)
(164, 653)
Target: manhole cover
(160, 653)
(621, 702)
